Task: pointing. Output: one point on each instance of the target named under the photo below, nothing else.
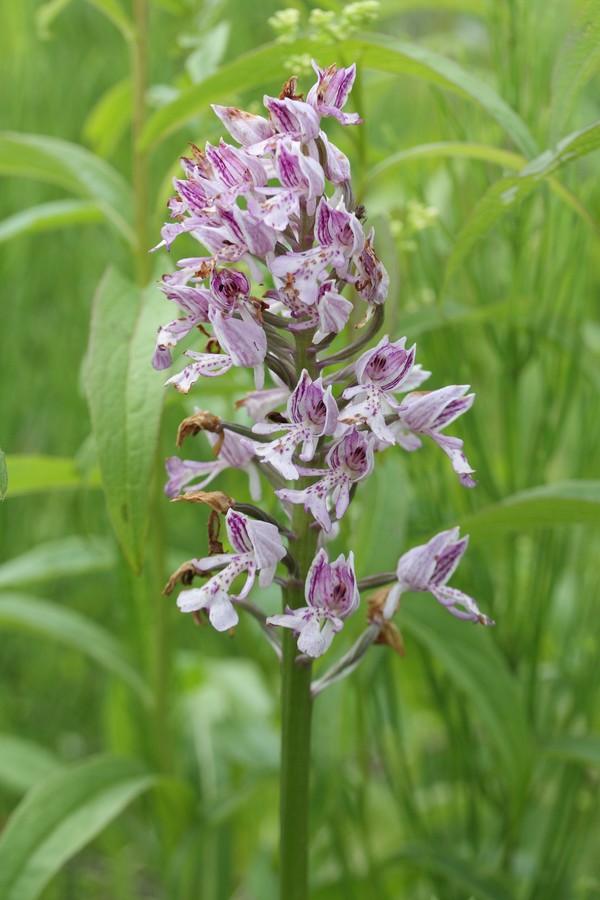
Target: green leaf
(58, 559)
(125, 398)
(109, 118)
(385, 54)
(23, 763)
(31, 474)
(243, 73)
(3, 475)
(462, 873)
(72, 167)
(582, 748)
(505, 193)
(47, 216)
(46, 14)
(115, 13)
(577, 61)
(60, 816)
(377, 52)
(564, 503)
(22, 612)
(475, 665)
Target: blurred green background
(146, 749)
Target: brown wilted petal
(184, 574)
(214, 530)
(289, 90)
(200, 421)
(376, 604)
(217, 500)
(390, 634)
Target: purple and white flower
(350, 459)
(379, 373)
(428, 412)
(312, 412)
(258, 548)
(331, 596)
(233, 453)
(428, 568)
(331, 91)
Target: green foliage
(59, 816)
(467, 768)
(125, 404)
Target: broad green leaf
(115, 13)
(506, 192)
(474, 664)
(23, 763)
(125, 399)
(73, 168)
(583, 748)
(24, 613)
(31, 474)
(109, 118)
(565, 503)
(376, 52)
(577, 61)
(385, 54)
(57, 559)
(47, 216)
(60, 816)
(3, 475)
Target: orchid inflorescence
(279, 210)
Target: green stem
(296, 701)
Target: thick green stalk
(296, 703)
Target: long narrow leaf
(73, 168)
(376, 52)
(125, 399)
(473, 663)
(31, 474)
(56, 559)
(505, 193)
(565, 503)
(60, 816)
(23, 763)
(24, 613)
(48, 216)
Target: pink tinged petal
(314, 640)
(337, 164)
(233, 168)
(228, 286)
(331, 91)
(304, 270)
(334, 311)
(193, 300)
(295, 117)
(232, 451)
(258, 403)
(404, 438)
(243, 339)
(459, 604)
(161, 358)
(277, 210)
(295, 170)
(332, 586)
(182, 471)
(386, 366)
(452, 447)
(208, 365)
(373, 280)
(353, 454)
(427, 409)
(313, 498)
(215, 600)
(244, 127)
(449, 558)
(416, 567)
(338, 227)
(416, 378)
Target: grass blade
(60, 816)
